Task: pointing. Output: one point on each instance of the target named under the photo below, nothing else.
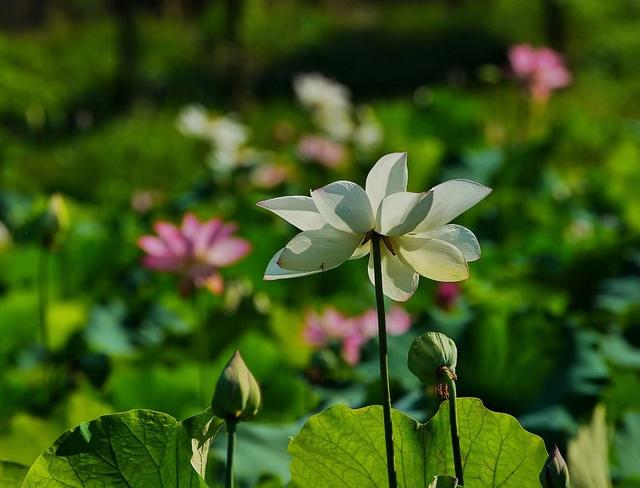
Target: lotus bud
(55, 221)
(237, 395)
(432, 358)
(555, 473)
(444, 481)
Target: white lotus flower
(338, 221)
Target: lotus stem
(384, 363)
(231, 445)
(453, 421)
(43, 299)
(202, 346)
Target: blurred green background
(91, 94)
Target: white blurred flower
(339, 220)
(315, 90)
(369, 134)
(329, 103)
(193, 121)
(227, 136)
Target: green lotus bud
(443, 481)
(55, 221)
(237, 395)
(432, 356)
(555, 473)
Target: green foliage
(12, 474)
(346, 447)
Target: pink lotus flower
(543, 70)
(447, 295)
(195, 251)
(328, 153)
(331, 326)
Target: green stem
(453, 421)
(384, 366)
(231, 445)
(43, 298)
(202, 346)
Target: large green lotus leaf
(139, 448)
(12, 474)
(341, 447)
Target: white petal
(297, 210)
(432, 258)
(318, 250)
(275, 272)
(388, 175)
(460, 237)
(450, 199)
(400, 212)
(345, 206)
(361, 251)
(398, 281)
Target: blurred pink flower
(268, 176)
(195, 251)
(447, 295)
(398, 322)
(543, 69)
(321, 328)
(328, 153)
(331, 326)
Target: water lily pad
(139, 448)
(341, 447)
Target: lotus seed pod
(428, 355)
(555, 473)
(237, 395)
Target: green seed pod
(237, 395)
(555, 473)
(429, 354)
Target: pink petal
(368, 323)
(162, 263)
(153, 246)
(447, 295)
(227, 251)
(205, 236)
(398, 321)
(314, 334)
(175, 241)
(523, 60)
(547, 58)
(224, 231)
(351, 349)
(336, 325)
(190, 226)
